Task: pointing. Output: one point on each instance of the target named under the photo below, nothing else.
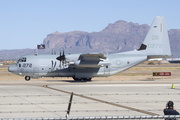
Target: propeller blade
(62, 58)
(63, 52)
(60, 52)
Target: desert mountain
(120, 36)
(174, 37)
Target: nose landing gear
(27, 78)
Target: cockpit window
(22, 60)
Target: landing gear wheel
(87, 79)
(77, 79)
(27, 78)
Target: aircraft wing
(92, 57)
(90, 61)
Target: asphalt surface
(44, 98)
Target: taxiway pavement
(21, 99)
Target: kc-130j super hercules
(86, 66)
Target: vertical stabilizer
(156, 42)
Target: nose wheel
(27, 78)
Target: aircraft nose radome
(12, 68)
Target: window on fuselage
(22, 60)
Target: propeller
(61, 58)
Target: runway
(21, 99)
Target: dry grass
(152, 68)
(4, 69)
(131, 74)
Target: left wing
(92, 57)
(90, 61)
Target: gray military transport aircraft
(86, 66)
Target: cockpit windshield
(21, 60)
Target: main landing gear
(27, 78)
(82, 79)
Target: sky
(25, 23)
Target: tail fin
(156, 43)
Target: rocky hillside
(120, 36)
(174, 37)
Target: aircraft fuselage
(35, 66)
